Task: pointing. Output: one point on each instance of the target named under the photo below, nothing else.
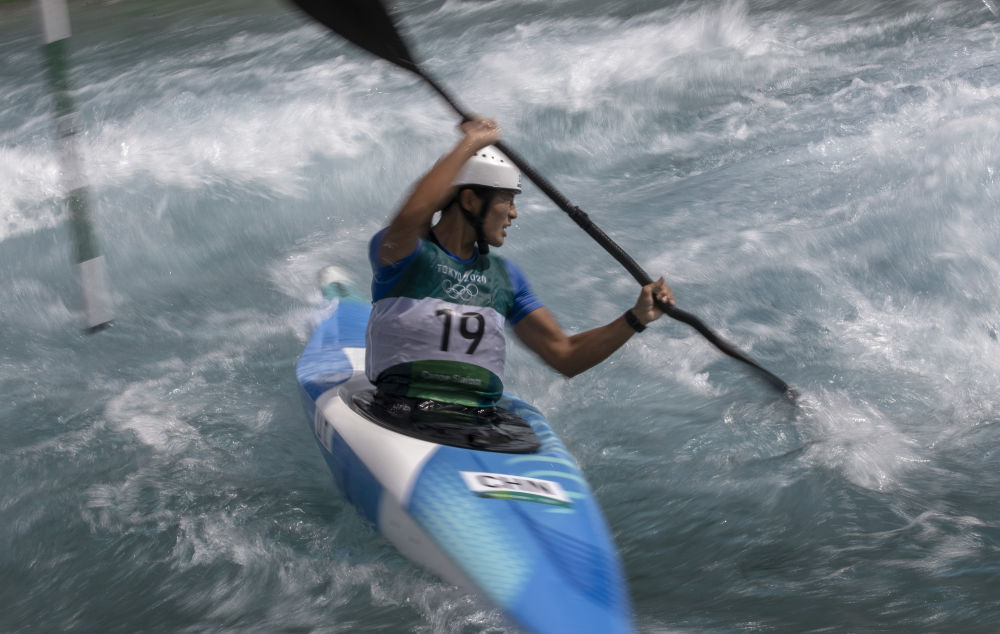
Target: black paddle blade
(364, 22)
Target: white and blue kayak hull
(522, 529)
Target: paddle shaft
(581, 218)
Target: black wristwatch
(633, 321)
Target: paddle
(367, 24)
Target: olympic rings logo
(460, 292)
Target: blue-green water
(817, 180)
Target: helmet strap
(486, 198)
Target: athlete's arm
(433, 191)
(572, 354)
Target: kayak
(497, 507)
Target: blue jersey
(437, 324)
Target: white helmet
(490, 168)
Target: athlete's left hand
(645, 308)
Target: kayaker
(441, 298)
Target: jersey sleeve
(525, 300)
(384, 277)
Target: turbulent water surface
(818, 181)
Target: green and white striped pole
(90, 262)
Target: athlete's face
(499, 216)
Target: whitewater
(817, 180)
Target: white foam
(191, 126)
(153, 410)
(857, 439)
(29, 199)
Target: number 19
(475, 335)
